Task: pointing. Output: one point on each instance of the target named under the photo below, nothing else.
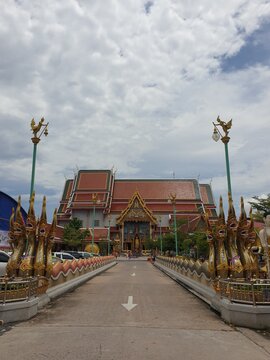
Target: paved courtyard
(99, 320)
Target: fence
(17, 290)
(255, 292)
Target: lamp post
(38, 130)
(95, 200)
(160, 236)
(225, 139)
(109, 234)
(172, 200)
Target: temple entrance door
(135, 233)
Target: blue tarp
(6, 205)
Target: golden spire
(19, 218)
(221, 217)
(31, 211)
(243, 215)
(43, 216)
(231, 211)
(11, 220)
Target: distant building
(129, 211)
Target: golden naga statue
(235, 260)
(220, 235)
(242, 242)
(49, 245)
(233, 245)
(31, 243)
(39, 264)
(26, 265)
(211, 243)
(18, 239)
(254, 245)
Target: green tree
(261, 204)
(150, 244)
(199, 244)
(187, 245)
(103, 247)
(73, 235)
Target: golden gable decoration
(136, 211)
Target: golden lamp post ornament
(38, 130)
(225, 139)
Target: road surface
(168, 322)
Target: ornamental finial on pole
(226, 126)
(38, 129)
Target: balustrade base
(19, 310)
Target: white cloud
(135, 90)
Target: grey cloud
(148, 112)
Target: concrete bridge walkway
(168, 322)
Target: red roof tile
(92, 180)
(155, 189)
(99, 234)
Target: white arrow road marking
(133, 274)
(129, 306)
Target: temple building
(130, 211)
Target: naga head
(231, 221)
(31, 222)
(209, 229)
(221, 224)
(242, 223)
(51, 233)
(19, 225)
(42, 225)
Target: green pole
(109, 237)
(228, 168)
(93, 233)
(33, 169)
(175, 231)
(160, 237)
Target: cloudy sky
(135, 85)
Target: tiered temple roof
(114, 195)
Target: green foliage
(261, 205)
(187, 244)
(73, 236)
(200, 243)
(103, 247)
(150, 244)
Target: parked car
(56, 259)
(4, 257)
(76, 254)
(85, 254)
(64, 255)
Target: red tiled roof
(155, 189)
(99, 234)
(114, 195)
(69, 188)
(88, 198)
(204, 194)
(93, 180)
